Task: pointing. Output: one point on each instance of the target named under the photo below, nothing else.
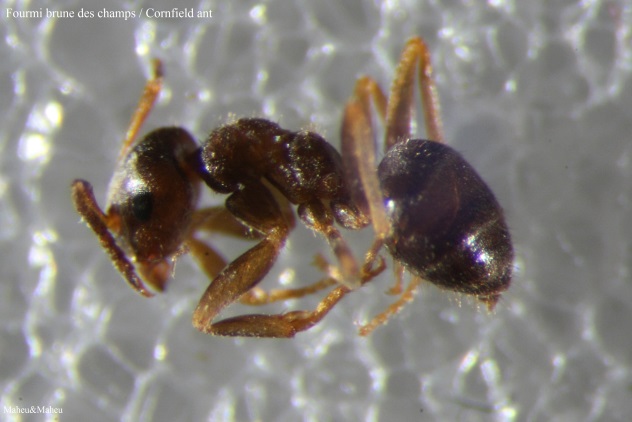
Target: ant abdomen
(446, 225)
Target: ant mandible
(427, 205)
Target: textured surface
(535, 94)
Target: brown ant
(428, 206)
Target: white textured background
(535, 94)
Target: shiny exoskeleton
(447, 226)
(427, 205)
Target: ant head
(151, 200)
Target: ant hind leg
(393, 309)
(400, 102)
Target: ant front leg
(213, 220)
(220, 220)
(255, 206)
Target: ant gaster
(427, 205)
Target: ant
(428, 207)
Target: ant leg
(279, 325)
(206, 257)
(288, 324)
(257, 296)
(358, 140)
(400, 102)
(87, 207)
(396, 288)
(255, 206)
(145, 104)
(218, 219)
(393, 309)
(358, 145)
(357, 130)
(212, 263)
(358, 154)
(317, 217)
(246, 272)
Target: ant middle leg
(257, 296)
(319, 218)
(289, 324)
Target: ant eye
(142, 205)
